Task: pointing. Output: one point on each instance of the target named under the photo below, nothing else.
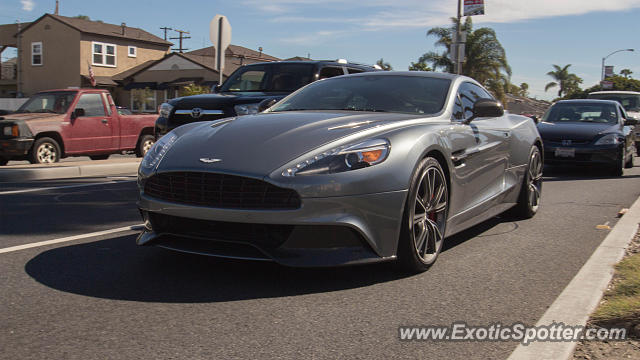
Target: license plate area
(565, 152)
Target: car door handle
(105, 121)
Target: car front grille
(560, 142)
(267, 236)
(220, 191)
(181, 119)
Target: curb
(581, 297)
(71, 171)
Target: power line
(181, 37)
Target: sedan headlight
(165, 109)
(246, 109)
(158, 151)
(343, 158)
(609, 139)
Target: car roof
(594, 101)
(330, 62)
(614, 92)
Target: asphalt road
(104, 297)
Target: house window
(132, 51)
(36, 53)
(143, 100)
(103, 54)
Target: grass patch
(622, 301)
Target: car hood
(29, 116)
(574, 130)
(218, 101)
(255, 145)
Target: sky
(535, 33)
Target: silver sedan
(353, 169)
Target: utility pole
(181, 37)
(57, 7)
(458, 58)
(18, 62)
(165, 31)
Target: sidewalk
(71, 169)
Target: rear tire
(145, 143)
(424, 218)
(44, 151)
(531, 191)
(3, 161)
(99, 157)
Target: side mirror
(216, 89)
(536, 119)
(78, 112)
(630, 121)
(486, 108)
(266, 103)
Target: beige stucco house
(57, 52)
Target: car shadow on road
(570, 173)
(116, 268)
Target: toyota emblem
(196, 113)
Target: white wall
(11, 103)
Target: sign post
(220, 35)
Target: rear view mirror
(78, 112)
(265, 104)
(486, 108)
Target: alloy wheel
(46, 153)
(535, 180)
(428, 214)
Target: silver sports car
(351, 169)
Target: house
(57, 51)
(8, 75)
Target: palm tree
(524, 89)
(626, 73)
(567, 82)
(384, 65)
(485, 58)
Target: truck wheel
(44, 151)
(99, 157)
(145, 143)
(3, 161)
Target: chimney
(124, 26)
(57, 7)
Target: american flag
(92, 77)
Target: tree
(566, 82)
(193, 89)
(485, 58)
(384, 65)
(419, 66)
(83, 17)
(626, 73)
(524, 89)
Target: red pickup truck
(55, 124)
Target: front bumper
(583, 155)
(329, 231)
(16, 147)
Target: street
(105, 297)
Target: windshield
(581, 112)
(51, 102)
(269, 77)
(630, 102)
(388, 93)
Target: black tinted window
(470, 93)
(92, 105)
(330, 71)
(269, 77)
(402, 94)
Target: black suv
(247, 87)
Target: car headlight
(158, 151)
(343, 158)
(12, 130)
(165, 109)
(246, 109)
(609, 139)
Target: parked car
(72, 122)
(353, 169)
(630, 101)
(588, 132)
(247, 87)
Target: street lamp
(604, 58)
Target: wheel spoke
(421, 238)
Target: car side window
(92, 105)
(354, 71)
(468, 94)
(330, 71)
(458, 114)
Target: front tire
(618, 167)
(425, 216)
(44, 151)
(529, 198)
